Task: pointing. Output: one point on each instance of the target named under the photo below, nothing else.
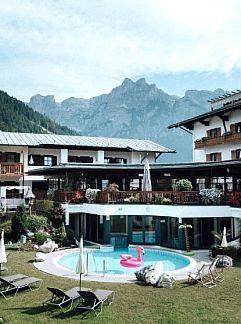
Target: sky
(72, 48)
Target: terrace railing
(223, 139)
(11, 169)
(176, 197)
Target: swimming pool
(108, 261)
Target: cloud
(84, 48)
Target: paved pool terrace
(51, 266)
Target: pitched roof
(188, 123)
(44, 140)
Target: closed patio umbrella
(3, 257)
(146, 182)
(224, 242)
(81, 266)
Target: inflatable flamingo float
(127, 260)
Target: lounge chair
(202, 276)
(9, 285)
(90, 300)
(13, 278)
(60, 298)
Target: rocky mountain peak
(131, 110)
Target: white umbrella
(224, 239)
(81, 266)
(3, 257)
(146, 182)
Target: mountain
(15, 116)
(131, 110)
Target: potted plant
(210, 196)
(183, 185)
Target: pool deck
(51, 266)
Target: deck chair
(60, 298)
(202, 276)
(213, 271)
(94, 300)
(14, 286)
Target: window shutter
(232, 128)
(219, 156)
(233, 154)
(219, 131)
(54, 160)
(208, 158)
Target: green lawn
(134, 303)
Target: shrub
(40, 237)
(35, 223)
(231, 251)
(71, 236)
(7, 227)
(19, 222)
(183, 185)
(235, 199)
(42, 207)
(62, 235)
(162, 200)
(56, 216)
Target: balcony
(10, 169)
(148, 197)
(218, 140)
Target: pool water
(171, 261)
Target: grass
(134, 303)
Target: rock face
(131, 110)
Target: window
(236, 154)
(214, 132)
(238, 127)
(80, 159)
(48, 160)
(108, 160)
(214, 157)
(9, 157)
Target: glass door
(144, 229)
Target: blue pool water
(171, 261)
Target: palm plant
(187, 242)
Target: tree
(19, 222)
(187, 242)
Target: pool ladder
(104, 263)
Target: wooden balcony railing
(11, 169)
(210, 141)
(68, 196)
(143, 197)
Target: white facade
(200, 131)
(44, 150)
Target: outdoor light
(29, 199)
